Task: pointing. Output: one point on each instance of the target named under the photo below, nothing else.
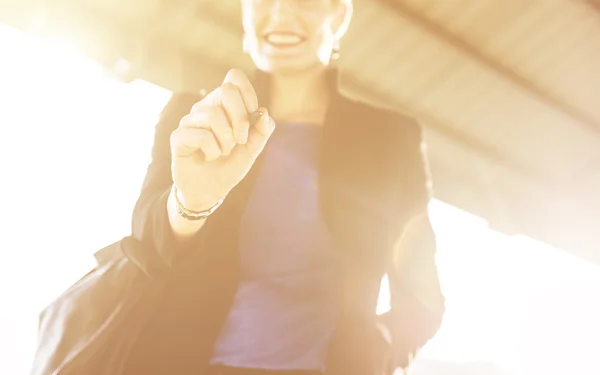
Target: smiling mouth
(283, 40)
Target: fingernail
(272, 122)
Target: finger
(260, 134)
(239, 79)
(213, 118)
(248, 95)
(188, 141)
(229, 97)
(236, 111)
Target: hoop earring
(335, 50)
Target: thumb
(260, 134)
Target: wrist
(182, 228)
(193, 212)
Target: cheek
(323, 34)
(320, 24)
(252, 20)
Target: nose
(282, 9)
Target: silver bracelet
(189, 214)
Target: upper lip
(290, 33)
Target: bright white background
(73, 139)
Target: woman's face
(288, 36)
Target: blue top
(285, 309)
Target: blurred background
(508, 92)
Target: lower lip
(282, 49)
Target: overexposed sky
(74, 140)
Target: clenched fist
(214, 146)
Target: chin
(288, 66)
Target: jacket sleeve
(152, 243)
(416, 299)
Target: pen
(255, 117)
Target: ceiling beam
(509, 74)
(164, 62)
(227, 23)
(110, 38)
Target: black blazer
(372, 178)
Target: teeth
(283, 39)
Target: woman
(275, 236)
